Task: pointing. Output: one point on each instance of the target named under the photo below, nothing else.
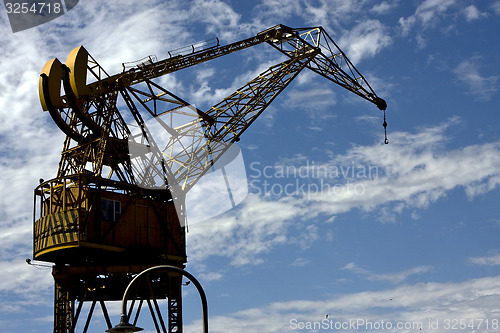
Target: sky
(338, 232)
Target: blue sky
(414, 242)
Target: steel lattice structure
(109, 214)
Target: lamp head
(124, 327)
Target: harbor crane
(110, 213)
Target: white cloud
(30, 150)
(414, 171)
(411, 172)
(315, 100)
(300, 262)
(496, 7)
(205, 94)
(384, 7)
(31, 143)
(397, 277)
(416, 305)
(210, 276)
(331, 12)
(135, 30)
(271, 12)
(219, 17)
(217, 13)
(491, 260)
(335, 16)
(468, 73)
(472, 13)
(430, 8)
(244, 234)
(319, 12)
(427, 14)
(32, 279)
(307, 236)
(406, 24)
(365, 40)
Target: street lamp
(125, 327)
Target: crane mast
(109, 213)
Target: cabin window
(110, 210)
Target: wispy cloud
(219, 17)
(472, 13)
(417, 305)
(24, 275)
(496, 7)
(208, 94)
(210, 276)
(411, 173)
(481, 86)
(245, 234)
(361, 40)
(426, 14)
(300, 262)
(365, 40)
(331, 12)
(490, 260)
(395, 278)
(384, 7)
(273, 12)
(315, 101)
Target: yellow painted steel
(77, 64)
(53, 70)
(55, 232)
(57, 248)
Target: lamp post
(125, 327)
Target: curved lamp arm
(124, 326)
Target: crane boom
(169, 65)
(312, 49)
(285, 39)
(332, 63)
(232, 117)
(88, 113)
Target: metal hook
(385, 130)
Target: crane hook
(386, 141)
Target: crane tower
(109, 214)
